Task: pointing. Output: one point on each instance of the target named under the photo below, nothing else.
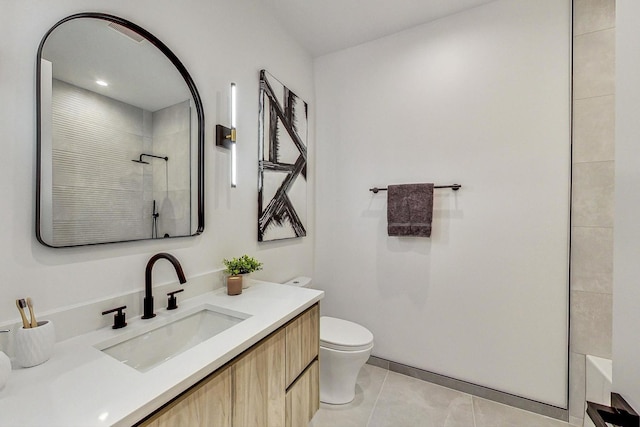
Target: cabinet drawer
(206, 404)
(303, 398)
(258, 390)
(302, 342)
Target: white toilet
(344, 348)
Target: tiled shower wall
(171, 185)
(593, 190)
(94, 136)
(111, 134)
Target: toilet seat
(342, 335)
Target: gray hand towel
(409, 210)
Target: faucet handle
(119, 319)
(173, 301)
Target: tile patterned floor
(388, 399)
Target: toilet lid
(340, 334)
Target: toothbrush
(21, 304)
(32, 315)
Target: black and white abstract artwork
(282, 186)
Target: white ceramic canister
(35, 345)
(246, 280)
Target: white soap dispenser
(5, 367)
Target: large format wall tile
(594, 129)
(592, 209)
(593, 15)
(576, 384)
(594, 64)
(592, 259)
(592, 198)
(591, 323)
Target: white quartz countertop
(82, 386)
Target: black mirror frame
(190, 84)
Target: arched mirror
(120, 136)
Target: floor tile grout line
(373, 408)
(473, 411)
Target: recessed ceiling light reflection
(102, 83)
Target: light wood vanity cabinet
(273, 384)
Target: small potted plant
(236, 268)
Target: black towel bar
(454, 187)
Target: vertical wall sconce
(226, 137)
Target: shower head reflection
(166, 159)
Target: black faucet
(148, 293)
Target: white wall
(479, 98)
(219, 41)
(626, 291)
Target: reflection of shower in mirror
(154, 227)
(165, 158)
(154, 213)
(146, 114)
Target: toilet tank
(302, 281)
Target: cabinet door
(259, 389)
(303, 341)
(303, 397)
(206, 404)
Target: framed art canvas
(282, 175)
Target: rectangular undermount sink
(169, 337)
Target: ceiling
(324, 26)
(320, 26)
(85, 50)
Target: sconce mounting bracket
(223, 137)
